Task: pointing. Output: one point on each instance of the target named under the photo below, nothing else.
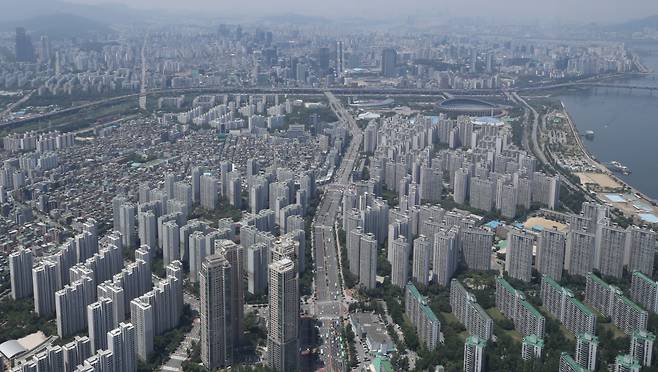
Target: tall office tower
(216, 312)
(400, 264)
(234, 254)
(225, 168)
(370, 138)
(421, 260)
(127, 224)
(234, 190)
(644, 291)
(474, 357)
(446, 251)
(142, 317)
(114, 292)
(626, 363)
(550, 253)
(24, 48)
(324, 56)
(340, 59)
(473, 61)
(610, 243)
(431, 184)
(121, 342)
(460, 189)
(476, 248)
(389, 62)
(586, 349)
(640, 248)
(518, 261)
(209, 192)
(76, 352)
(148, 229)
(353, 250)
(579, 254)
(252, 167)
(642, 347)
(170, 242)
(196, 184)
(257, 268)
(481, 194)
(258, 194)
(368, 261)
(20, 273)
(100, 318)
(282, 341)
(46, 283)
(117, 202)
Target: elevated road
(338, 91)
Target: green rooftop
(476, 341)
(627, 361)
(581, 306)
(382, 365)
(589, 338)
(422, 302)
(597, 279)
(630, 303)
(505, 284)
(531, 309)
(533, 340)
(551, 282)
(642, 276)
(644, 335)
(572, 363)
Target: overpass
(338, 91)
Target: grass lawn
(497, 316)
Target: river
(625, 124)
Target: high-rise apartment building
(20, 273)
(421, 260)
(446, 252)
(550, 253)
(216, 312)
(474, 356)
(282, 335)
(428, 326)
(587, 346)
(518, 260)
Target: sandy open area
(543, 222)
(601, 179)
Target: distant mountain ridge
(637, 24)
(57, 25)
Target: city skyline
(504, 12)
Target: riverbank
(632, 203)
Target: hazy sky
(568, 10)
